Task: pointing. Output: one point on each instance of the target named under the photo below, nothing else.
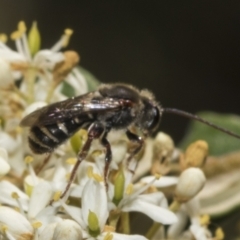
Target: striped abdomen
(44, 139)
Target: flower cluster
(31, 186)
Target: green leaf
(67, 90)
(92, 81)
(219, 142)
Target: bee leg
(108, 157)
(139, 140)
(94, 131)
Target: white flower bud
(190, 183)
(67, 229)
(48, 231)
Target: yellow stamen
(108, 228)
(108, 236)
(19, 130)
(219, 234)
(57, 195)
(68, 32)
(129, 189)
(71, 161)
(4, 229)
(157, 176)
(36, 225)
(96, 153)
(15, 195)
(3, 38)
(22, 27)
(28, 159)
(15, 35)
(17, 209)
(93, 175)
(205, 219)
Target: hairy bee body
(112, 106)
(116, 106)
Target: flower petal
(158, 214)
(40, 197)
(15, 222)
(74, 212)
(6, 190)
(4, 167)
(94, 198)
(118, 236)
(175, 229)
(164, 181)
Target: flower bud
(34, 39)
(163, 147)
(190, 183)
(67, 229)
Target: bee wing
(70, 108)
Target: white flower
(14, 148)
(93, 215)
(153, 205)
(14, 225)
(49, 66)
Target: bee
(111, 106)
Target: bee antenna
(199, 119)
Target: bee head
(150, 115)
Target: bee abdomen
(41, 140)
(44, 139)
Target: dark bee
(112, 106)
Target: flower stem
(50, 92)
(175, 205)
(152, 231)
(30, 79)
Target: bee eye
(154, 120)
